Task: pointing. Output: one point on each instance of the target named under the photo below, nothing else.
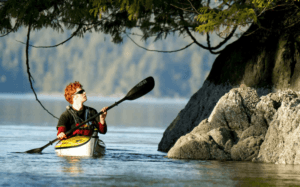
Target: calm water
(131, 159)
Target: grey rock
(220, 135)
(228, 146)
(254, 130)
(201, 147)
(244, 127)
(246, 149)
(197, 109)
(268, 107)
(191, 146)
(203, 128)
(281, 145)
(214, 137)
(234, 109)
(259, 119)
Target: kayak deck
(72, 142)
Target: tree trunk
(268, 60)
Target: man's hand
(61, 136)
(103, 116)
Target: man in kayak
(77, 113)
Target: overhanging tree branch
(28, 71)
(208, 41)
(190, 34)
(221, 43)
(159, 50)
(224, 41)
(5, 34)
(194, 39)
(211, 48)
(73, 34)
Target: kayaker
(77, 113)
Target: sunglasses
(79, 92)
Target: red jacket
(102, 128)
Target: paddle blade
(141, 89)
(38, 150)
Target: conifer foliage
(154, 18)
(55, 14)
(159, 18)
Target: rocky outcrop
(261, 59)
(244, 126)
(198, 108)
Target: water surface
(131, 158)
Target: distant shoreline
(59, 96)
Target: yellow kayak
(80, 146)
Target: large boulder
(247, 149)
(222, 130)
(244, 127)
(234, 110)
(281, 145)
(197, 146)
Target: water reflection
(260, 173)
(248, 173)
(72, 165)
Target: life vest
(77, 119)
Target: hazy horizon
(113, 98)
(101, 66)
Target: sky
(102, 67)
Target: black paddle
(139, 90)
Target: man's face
(81, 97)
